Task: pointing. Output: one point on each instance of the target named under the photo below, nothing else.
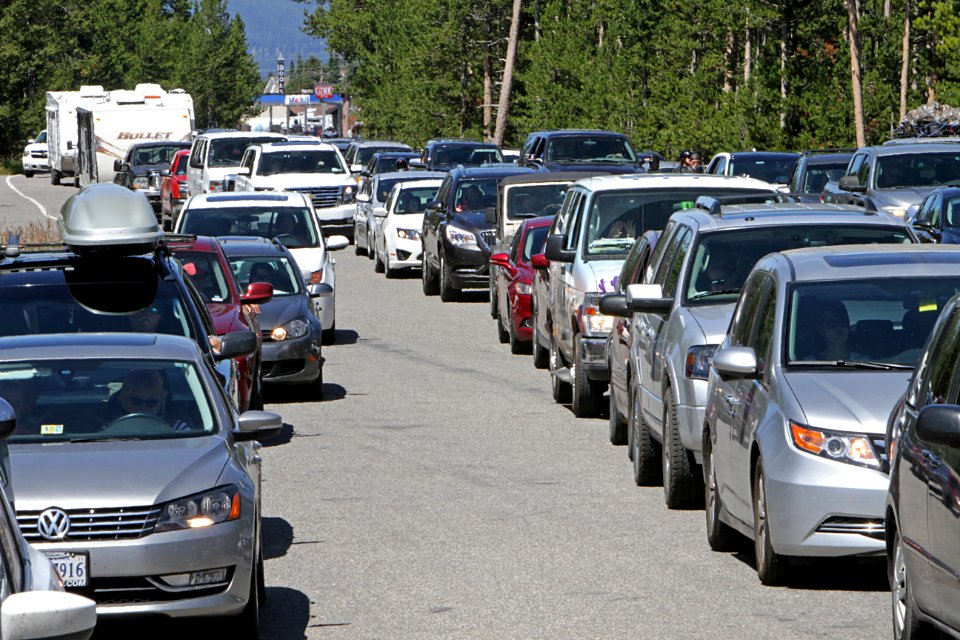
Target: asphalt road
(438, 492)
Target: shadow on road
(277, 537)
(827, 574)
(345, 336)
(290, 394)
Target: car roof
(409, 175)
(541, 177)
(205, 244)
(501, 171)
(764, 154)
(818, 159)
(786, 214)
(221, 135)
(252, 246)
(566, 132)
(464, 143)
(165, 143)
(381, 143)
(417, 184)
(542, 221)
(671, 181)
(914, 148)
(295, 145)
(849, 262)
(246, 199)
(57, 346)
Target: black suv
(443, 155)
(141, 166)
(581, 150)
(457, 239)
(815, 168)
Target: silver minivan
(821, 346)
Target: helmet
(688, 154)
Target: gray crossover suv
(821, 346)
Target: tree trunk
(504, 107)
(854, 37)
(747, 57)
(783, 66)
(728, 64)
(905, 65)
(487, 92)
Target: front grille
(132, 591)
(489, 237)
(869, 527)
(123, 523)
(322, 197)
(38, 154)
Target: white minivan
(217, 154)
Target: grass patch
(45, 232)
(10, 165)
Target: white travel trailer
(106, 128)
(62, 127)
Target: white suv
(35, 155)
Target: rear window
(276, 270)
(766, 169)
(313, 161)
(534, 241)
(534, 200)
(293, 226)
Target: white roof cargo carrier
(109, 218)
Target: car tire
(906, 619)
(448, 293)
(517, 346)
(503, 335)
(246, 625)
(646, 457)
(618, 426)
(719, 534)
(771, 566)
(561, 389)
(329, 336)
(428, 278)
(378, 265)
(370, 252)
(681, 486)
(356, 247)
(494, 301)
(541, 356)
(55, 177)
(587, 393)
(28, 174)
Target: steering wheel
(154, 424)
(288, 240)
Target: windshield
(293, 226)
(155, 154)
(590, 149)
(723, 259)
(227, 152)
(768, 169)
(476, 195)
(384, 187)
(533, 242)
(313, 161)
(182, 165)
(105, 399)
(415, 200)
(467, 156)
(617, 218)
(534, 200)
(951, 211)
(206, 273)
(276, 270)
(365, 153)
(917, 170)
(41, 138)
(882, 320)
(819, 175)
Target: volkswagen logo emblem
(53, 524)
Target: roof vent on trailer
(92, 91)
(107, 217)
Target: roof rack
(814, 152)
(714, 205)
(932, 120)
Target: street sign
(323, 91)
(297, 98)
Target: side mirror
(165, 172)
(30, 140)
(8, 419)
(648, 298)
(118, 164)
(365, 173)
(939, 424)
(243, 171)
(615, 304)
(257, 293)
(539, 261)
(47, 614)
(257, 425)
(320, 289)
(490, 215)
(852, 183)
(501, 260)
(362, 197)
(435, 205)
(555, 252)
(335, 243)
(735, 363)
(237, 343)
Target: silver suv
(820, 348)
(601, 218)
(684, 304)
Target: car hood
(225, 316)
(144, 169)
(605, 273)
(36, 146)
(605, 167)
(858, 401)
(901, 198)
(405, 221)
(301, 180)
(713, 319)
(471, 220)
(308, 258)
(114, 474)
(282, 309)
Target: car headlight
(699, 358)
(592, 320)
(312, 277)
(215, 185)
(202, 510)
(408, 234)
(461, 237)
(895, 211)
(348, 194)
(296, 328)
(523, 288)
(142, 182)
(852, 448)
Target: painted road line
(43, 210)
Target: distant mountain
(273, 28)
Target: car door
(507, 277)
(563, 284)
(432, 218)
(621, 336)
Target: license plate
(72, 567)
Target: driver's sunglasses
(830, 323)
(144, 403)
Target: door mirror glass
(735, 363)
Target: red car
(173, 189)
(209, 271)
(514, 283)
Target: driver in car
(287, 225)
(143, 392)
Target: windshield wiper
(110, 439)
(517, 216)
(707, 294)
(853, 364)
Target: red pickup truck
(173, 189)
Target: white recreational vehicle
(62, 127)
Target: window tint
(764, 334)
(206, 273)
(196, 154)
(745, 316)
(658, 253)
(916, 170)
(768, 169)
(534, 242)
(676, 262)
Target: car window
(181, 169)
(533, 200)
(766, 168)
(155, 154)
(308, 161)
(658, 253)
(414, 199)
(672, 275)
(384, 186)
(631, 266)
(575, 221)
(196, 153)
(515, 248)
(745, 317)
(853, 168)
(817, 176)
(248, 160)
(916, 170)
(533, 242)
(943, 369)
(206, 273)
(590, 148)
(295, 227)
(863, 173)
(767, 321)
(935, 210)
(275, 270)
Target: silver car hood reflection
(714, 319)
(858, 401)
(115, 474)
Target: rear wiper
(853, 364)
(707, 294)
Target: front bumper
(593, 358)
(404, 253)
(36, 165)
(337, 220)
(520, 311)
(469, 268)
(691, 410)
(124, 574)
(294, 361)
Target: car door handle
(931, 458)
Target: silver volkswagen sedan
(135, 475)
(820, 348)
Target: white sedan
(397, 242)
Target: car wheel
(369, 240)
(719, 534)
(246, 625)
(428, 278)
(646, 458)
(28, 174)
(681, 487)
(587, 393)
(378, 265)
(618, 426)
(541, 356)
(329, 336)
(389, 271)
(561, 389)
(517, 346)
(356, 247)
(494, 311)
(906, 622)
(55, 177)
(448, 293)
(771, 566)
(503, 334)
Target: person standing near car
(689, 162)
